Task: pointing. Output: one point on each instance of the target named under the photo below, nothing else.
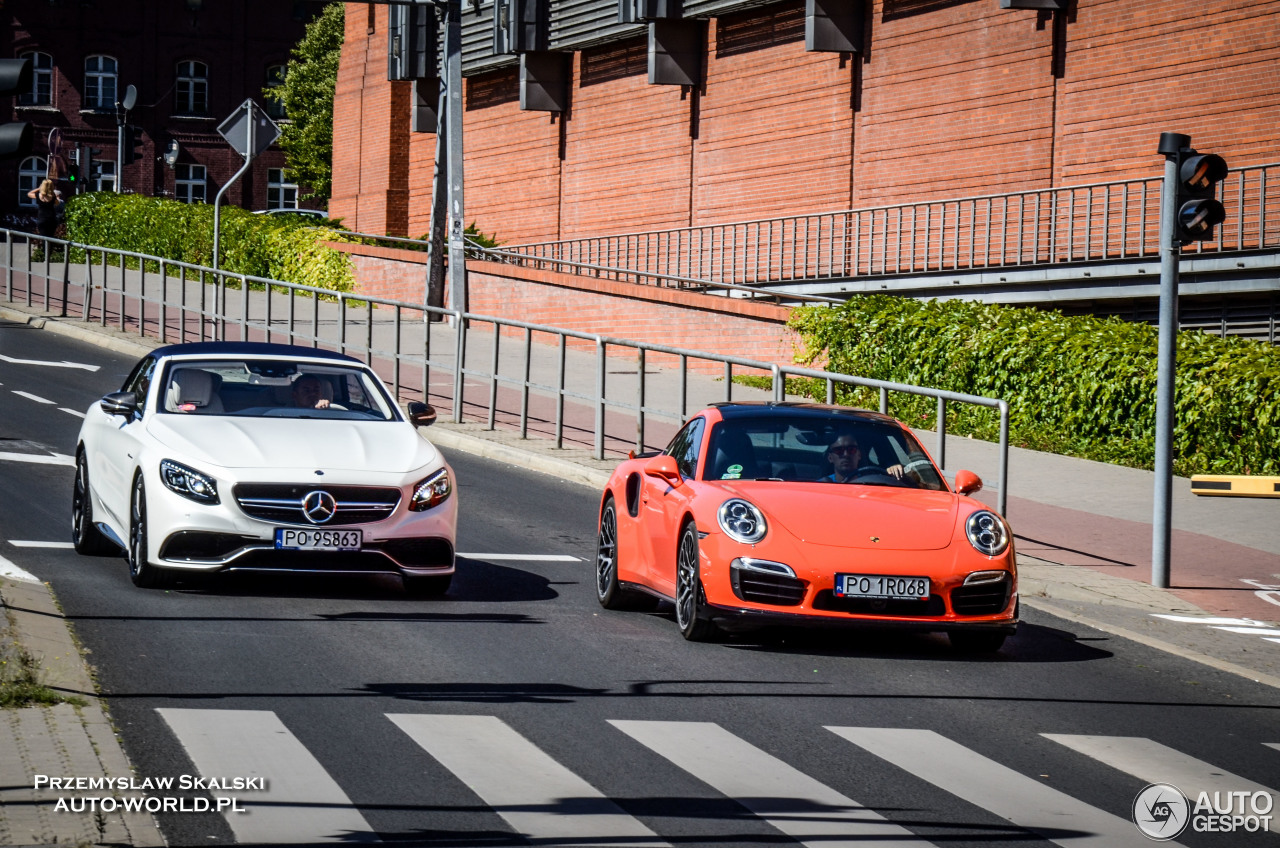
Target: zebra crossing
(547, 803)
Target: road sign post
(249, 131)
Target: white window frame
(31, 173)
(191, 93)
(281, 194)
(100, 76)
(41, 93)
(190, 183)
(105, 179)
(275, 79)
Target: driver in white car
(845, 457)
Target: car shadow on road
(1033, 643)
(474, 580)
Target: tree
(307, 98)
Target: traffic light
(132, 144)
(15, 137)
(73, 169)
(1199, 211)
(88, 166)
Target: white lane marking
(22, 543)
(1148, 760)
(538, 797)
(985, 783)
(1275, 745)
(77, 413)
(63, 364)
(30, 396)
(1257, 631)
(525, 557)
(55, 459)
(11, 571)
(810, 812)
(1193, 619)
(301, 802)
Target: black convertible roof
(249, 349)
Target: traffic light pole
(1166, 359)
(453, 94)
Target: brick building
(937, 98)
(191, 62)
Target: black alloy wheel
(85, 535)
(608, 590)
(691, 615)
(142, 573)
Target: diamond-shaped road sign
(249, 129)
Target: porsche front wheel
(691, 614)
(142, 573)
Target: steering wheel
(876, 476)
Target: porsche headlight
(431, 492)
(987, 532)
(742, 521)
(188, 482)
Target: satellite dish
(130, 98)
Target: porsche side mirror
(120, 403)
(967, 482)
(421, 414)
(664, 467)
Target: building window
(99, 82)
(41, 93)
(275, 79)
(192, 96)
(189, 183)
(280, 194)
(30, 174)
(105, 178)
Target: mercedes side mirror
(421, 414)
(120, 403)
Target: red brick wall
(775, 127)
(370, 131)
(951, 99)
(619, 310)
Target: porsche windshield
(835, 449)
(267, 388)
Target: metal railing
(1082, 223)
(559, 384)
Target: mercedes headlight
(431, 492)
(987, 532)
(742, 521)
(188, 482)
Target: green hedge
(1082, 386)
(277, 247)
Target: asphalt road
(516, 704)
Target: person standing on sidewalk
(48, 203)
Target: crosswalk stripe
(1148, 760)
(301, 802)
(985, 783)
(537, 796)
(796, 804)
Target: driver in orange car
(845, 457)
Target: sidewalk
(1083, 532)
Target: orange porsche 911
(797, 513)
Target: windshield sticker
(733, 472)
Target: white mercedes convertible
(224, 456)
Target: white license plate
(881, 586)
(301, 539)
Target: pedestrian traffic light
(1199, 211)
(132, 144)
(73, 169)
(15, 136)
(88, 165)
